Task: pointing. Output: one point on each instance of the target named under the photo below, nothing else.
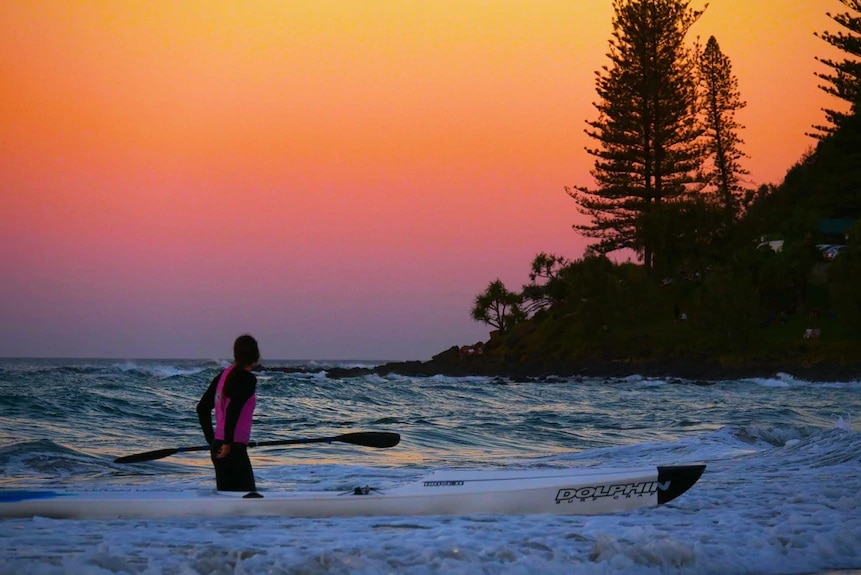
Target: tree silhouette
(720, 101)
(498, 307)
(647, 129)
(545, 288)
(844, 81)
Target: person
(233, 396)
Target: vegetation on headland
(705, 291)
(730, 282)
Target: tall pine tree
(720, 101)
(647, 128)
(844, 81)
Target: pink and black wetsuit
(230, 428)
(233, 416)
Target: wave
(774, 445)
(47, 461)
(54, 370)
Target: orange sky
(338, 178)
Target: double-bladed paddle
(379, 439)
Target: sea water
(782, 492)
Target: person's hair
(245, 353)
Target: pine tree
(720, 101)
(647, 127)
(845, 81)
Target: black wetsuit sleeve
(240, 391)
(204, 410)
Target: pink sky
(339, 179)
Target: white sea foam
(781, 380)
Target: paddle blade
(148, 456)
(380, 439)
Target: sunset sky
(338, 178)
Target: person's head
(245, 351)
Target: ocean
(781, 494)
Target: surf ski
(446, 492)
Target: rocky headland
(454, 363)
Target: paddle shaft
(378, 439)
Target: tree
(498, 307)
(844, 282)
(545, 287)
(683, 234)
(727, 308)
(603, 298)
(647, 127)
(845, 80)
(720, 101)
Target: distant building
(774, 245)
(832, 236)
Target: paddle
(379, 439)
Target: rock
(701, 371)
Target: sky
(339, 178)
